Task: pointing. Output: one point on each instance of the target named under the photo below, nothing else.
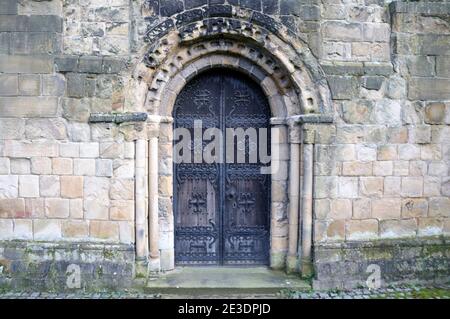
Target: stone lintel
(426, 7)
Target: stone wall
(381, 169)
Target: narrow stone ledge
(304, 118)
(118, 118)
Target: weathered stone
(76, 109)
(6, 229)
(408, 152)
(336, 230)
(9, 85)
(23, 229)
(430, 227)
(383, 168)
(89, 150)
(57, 208)
(387, 112)
(362, 208)
(20, 166)
(9, 186)
(28, 186)
(46, 129)
(439, 207)
(122, 189)
(340, 209)
(4, 166)
(84, 167)
(429, 89)
(386, 208)
(122, 210)
(49, 186)
(348, 187)
(76, 209)
(13, 208)
(343, 87)
(341, 31)
(103, 167)
(31, 106)
(25, 64)
(398, 228)
(75, 229)
(414, 207)
(357, 168)
(90, 64)
(435, 113)
(47, 229)
(372, 82)
(104, 230)
(69, 149)
(412, 186)
(371, 186)
(62, 166)
(41, 165)
(72, 186)
(362, 229)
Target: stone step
(219, 281)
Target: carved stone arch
(295, 87)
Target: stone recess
(82, 81)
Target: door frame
(222, 218)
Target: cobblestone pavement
(438, 292)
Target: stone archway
(297, 93)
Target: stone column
(279, 192)
(141, 212)
(306, 208)
(294, 196)
(153, 207)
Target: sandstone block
(53, 129)
(336, 230)
(47, 229)
(12, 208)
(325, 187)
(414, 207)
(26, 64)
(89, 150)
(386, 208)
(398, 228)
(12, 129)
(69, 149)
(75, 229)
(29, 84)
(383, 168)
(362, 208)
(104, 167)
(8, 85)
(23, 229)
(76, 209)
(430, 226)
(341, 31)
(41, 165)
(122, 189)
(366, 152)
(122, 210)
(9, 186)
(34, 207)
(20, 166)
(401, 168)
(429, 89)
(28, 186)
(439, 207)
(96, 209)
(321, 208)
(371, 186)
(57, 208)
(71, 186)
(28, 149)
(357, 168)
(6, 229)
(437, 168)
(104, 230)
(362, 229)
(392, 186)
(126, 232)
(4, 166)
(412, 186)
(348, 187)
(62, 166)
(340, 209)
(84, 167)
(431, 186)
(387, 152)
(49, 186)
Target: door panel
(221, 209)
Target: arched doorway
(222, 204)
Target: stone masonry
(81, 81)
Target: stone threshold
(224, 280)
